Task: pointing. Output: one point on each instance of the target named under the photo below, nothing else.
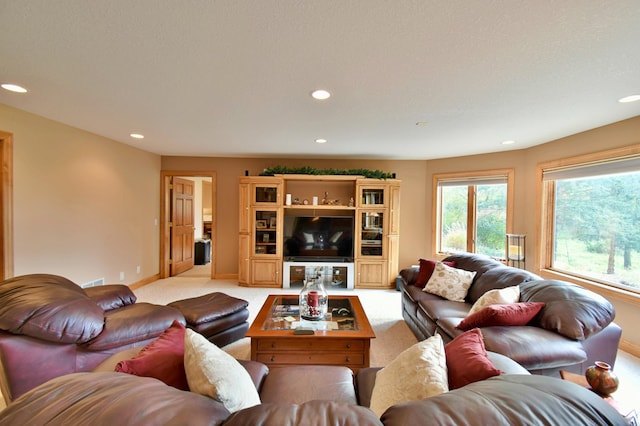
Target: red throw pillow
(508, 314)
(426, 270)
(162, 359)
(467, 360)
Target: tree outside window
(473, 211)
(597, 228)
(591, 219)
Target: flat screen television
(318, 238)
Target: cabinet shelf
(319, 207)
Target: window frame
(468, 177)
(545, 219)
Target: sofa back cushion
(49, 307)
(497, 274)
(498, 278)
(307, 413)
(111, 399)
(509, 399)
(570, 310)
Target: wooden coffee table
(339, 340)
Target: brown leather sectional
(573, 330)
(289, 398)
(49, 326)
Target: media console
(335, 275)
(346, 222)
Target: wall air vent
(94, 283)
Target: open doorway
(203, 222)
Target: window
(473, 212)
(591, 218)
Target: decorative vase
(313, 300)
(601, 378)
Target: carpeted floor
(382, 308)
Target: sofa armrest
(257, 370)
(365, 380)
(132, 324)
(111, 296)
(408, 275)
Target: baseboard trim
(144, 281)
(630, 348)
(225, 276)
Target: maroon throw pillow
(508, 314)
(426, 270)
(162, 359)
(467, 360)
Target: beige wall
(412, 205)
(84, 205)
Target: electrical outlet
(138, 269)
(121, 276)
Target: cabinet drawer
(342, 345)
(329, 358)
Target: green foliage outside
(597, 226)
(491, 218)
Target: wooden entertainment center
(267, 202)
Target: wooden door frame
(165, 209)
(6, 205)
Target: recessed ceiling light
(320, 94)
(137, 136)
(632, 98)
(14, 88)
(509, 142)
(321, 141)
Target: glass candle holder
(313, 300)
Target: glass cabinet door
(372, 197)
(371, 231)
(265, 232)
(265, 193)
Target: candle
(515, 253)
(315, 201)
(288, 200)
(313, 298)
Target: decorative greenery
(306, 170)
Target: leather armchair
(49, 327)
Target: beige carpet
(382, 308)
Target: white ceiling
(232, 78)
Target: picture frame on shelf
(273, 222)
(261, 224)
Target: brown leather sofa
(573, 330)
(308, 395)
(49, 326)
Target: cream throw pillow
(214, 373)
(502, 296)
(450, 283)
(417, 373)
